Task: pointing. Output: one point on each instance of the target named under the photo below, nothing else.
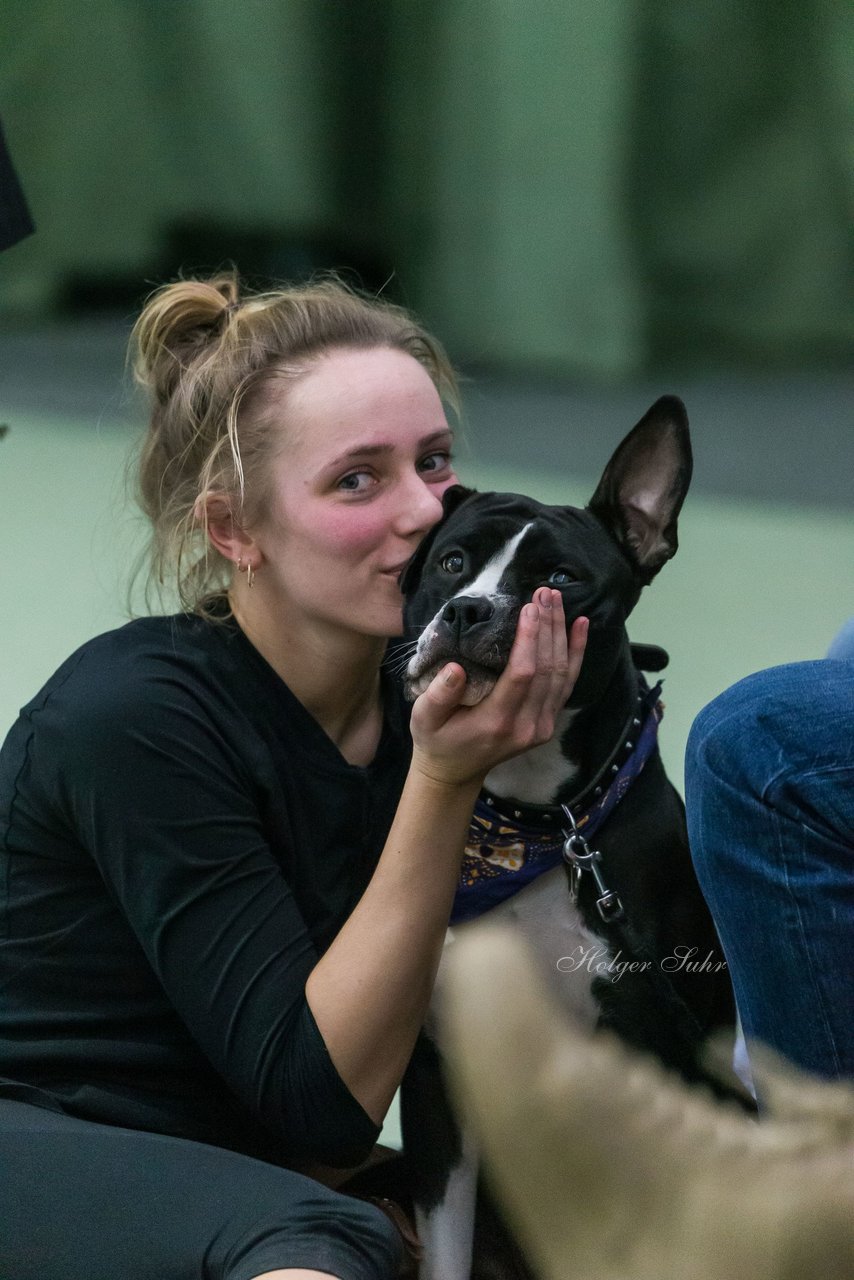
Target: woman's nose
(420, 507)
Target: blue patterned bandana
(501, 856)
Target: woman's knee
(371, 1235)
(330, 1233)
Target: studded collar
(508, 847)
(634, 746)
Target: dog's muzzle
(475, 631)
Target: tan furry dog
(611, 1169)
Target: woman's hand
(456, 744)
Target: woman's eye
(452, 563)
(355, 482)
(439, 461)
(561, 578)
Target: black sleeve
(161, 797)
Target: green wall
(577, 187)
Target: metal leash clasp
(579, 857)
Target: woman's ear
(214, 513)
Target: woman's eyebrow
(373, 450)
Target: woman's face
(364, 462)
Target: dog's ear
(643, 487)
(453, 497)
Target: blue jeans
(770, 801)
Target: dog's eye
(453, 563)
(561, 578)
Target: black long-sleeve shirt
(179, 841)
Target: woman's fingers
(551, 651)
(544, 662)
(552, 631)
(457, 741)
(575, 652)
(560, 659)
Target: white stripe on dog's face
(487, 581)
(485, 584)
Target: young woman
(226, 868)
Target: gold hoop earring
(250, 572)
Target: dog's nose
(465, 612)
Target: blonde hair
(207, 352)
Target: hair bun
(174, 320)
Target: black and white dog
(581, 842)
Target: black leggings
(84, 1201)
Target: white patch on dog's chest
(561, 943)
(554, 930)
(569, 954)
(537, 774)
(447, 1231)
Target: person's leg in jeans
(770, 801)
(842, 645)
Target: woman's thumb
(442, 695)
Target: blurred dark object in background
(15, 220)
(740, 181)
(202, 248)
